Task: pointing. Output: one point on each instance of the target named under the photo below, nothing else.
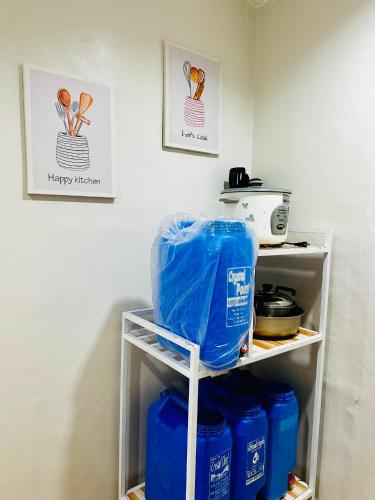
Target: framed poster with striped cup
(69, 135)
(192, 101)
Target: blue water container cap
(246, 406)
(279, 392)
(210, 422)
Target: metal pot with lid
(277, 314)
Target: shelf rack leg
(314, 446)
(192, 423)
(312, 466)
(124, 395)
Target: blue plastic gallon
(281, 406)
(203, 283)
(248, 422)
(167, 446)
(282, 411)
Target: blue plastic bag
(203, 284)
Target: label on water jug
(238, 293)
(219, 480)
(255, 460)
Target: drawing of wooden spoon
(75, 107)
(194, 74)
(201, 76)
(85, 101)
(64, 98)
(200, 88)
(187, 68)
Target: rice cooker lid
(276, 302)
(256, 190)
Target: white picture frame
(59, 162)
(192, 100)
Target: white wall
(69, 267)
(315, 134)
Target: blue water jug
(214, 457)
(167, 446)
(281, 406)
(203, 282)
(282, 412)
(248, 422)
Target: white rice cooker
(265, 209)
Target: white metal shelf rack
(139, 330)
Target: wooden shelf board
(300, 491)
(267, 348)
(147, 340)
(262, 349)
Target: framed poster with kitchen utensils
(69, 135)
(192, 101)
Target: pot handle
(281, 288)
(229, 200)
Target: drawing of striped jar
(194, 112)
(72, 153)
